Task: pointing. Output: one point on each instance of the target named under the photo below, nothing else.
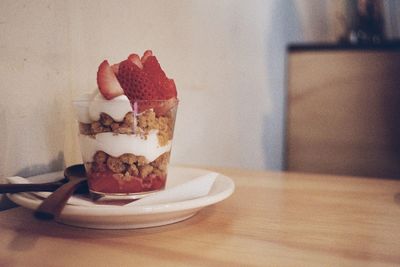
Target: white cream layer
(116, 107)
(116, 145)
(88, 107)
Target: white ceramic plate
(130, 217)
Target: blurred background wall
(227, 58)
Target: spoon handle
(52, 206)
(16, 188)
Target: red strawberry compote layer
(126, 128)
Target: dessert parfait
(126, 127)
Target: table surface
(272, 219)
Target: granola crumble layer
(127, 173)
(141, 124)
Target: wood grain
(342, 115)
(272, 219)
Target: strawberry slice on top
(146, 54)
(137, 78)
(167, 88)
(136, 60)
(136, 83)
(153, 68)
(107, 81)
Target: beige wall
(227, 58)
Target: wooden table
(272, 219)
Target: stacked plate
(81, 211)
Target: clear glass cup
(125, 146)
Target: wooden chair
(343, 110)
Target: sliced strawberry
(165, 86)
(139, 79)
(107, 81)
(146, 55)
(136, 83)
(168, 89)
(115, 68)
(136, 60)
(153, 68)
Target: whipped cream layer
(89, 107)
(117, 145)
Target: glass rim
(172, 100)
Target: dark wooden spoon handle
(16, 188)
(52, 206)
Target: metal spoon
(52, 206)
